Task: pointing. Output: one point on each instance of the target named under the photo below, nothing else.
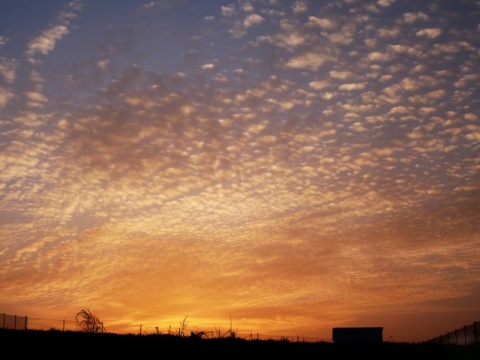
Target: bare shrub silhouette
(88, 322)
(181, 330)
(230, 333)
(201, 334)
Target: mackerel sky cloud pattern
(295, 165)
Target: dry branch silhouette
(89, 322)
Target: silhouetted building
(357, 335)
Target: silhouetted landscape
(54, 343)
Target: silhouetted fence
(466, 335)
(25, 323)
(14, 322)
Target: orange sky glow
(281, 167)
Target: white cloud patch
(47, 41)
(473, 133)
(431, 33)
(391, 33)
(319, 84)
(247, 7)
(208, 66)
(36, 96)
(341, 74)
(299, 7)
(436, 94)
(322, 23)
(309, 60)
(401, 110)
(102, 64)
(7, 70)
(150, 5)
(410, 17)
(351, 87)
(3, 40)
(378, 56)
(385, 3)
(470, 117)
(228, 10)
(404, 49)
(5, 97)
(289, 40)
(252, 19)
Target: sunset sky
(292, 165)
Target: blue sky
(296, 165)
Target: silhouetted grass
(70, 344)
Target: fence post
(26, 322)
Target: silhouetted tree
(89, 322)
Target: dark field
(69, 345)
